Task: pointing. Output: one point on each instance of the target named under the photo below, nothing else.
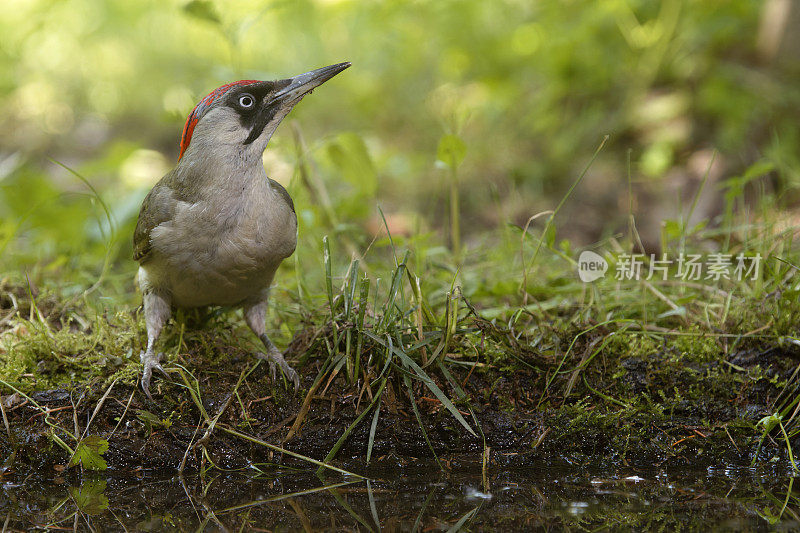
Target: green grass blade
(326, 259)
(426, 379)
(418, 521)
(458, 525)
(394, 288)
(372, 428)
(350, 510)
(414, 408)
(462, 395)
(373, 509)
(350, 428)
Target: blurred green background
(523, 91)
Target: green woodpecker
(214, 230)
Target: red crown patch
(200, 108)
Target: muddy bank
(632, 411)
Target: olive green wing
(158, 207)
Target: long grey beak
(303, 84)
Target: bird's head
(240, 117)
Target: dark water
(421, 498)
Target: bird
(213, 231)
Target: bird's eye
(246, 101)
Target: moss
(39, 354)
(627, 344)
(694, 346)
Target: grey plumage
(214, 230)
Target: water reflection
(418, 499)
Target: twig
(5, 419)
(123, 414)
(98, 407)
(278, 449)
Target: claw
(151, 361)
(276, 359)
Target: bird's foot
(275, 358)
(150, 361)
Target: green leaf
(152, 421)
(451, 151)
(89, 453)
(697, 228)
(672, 230)
(758, 169)
(769, 422)
(202, 10)
(89, 496)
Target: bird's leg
(156, 313)
(255, 315)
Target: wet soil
(519, 421)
